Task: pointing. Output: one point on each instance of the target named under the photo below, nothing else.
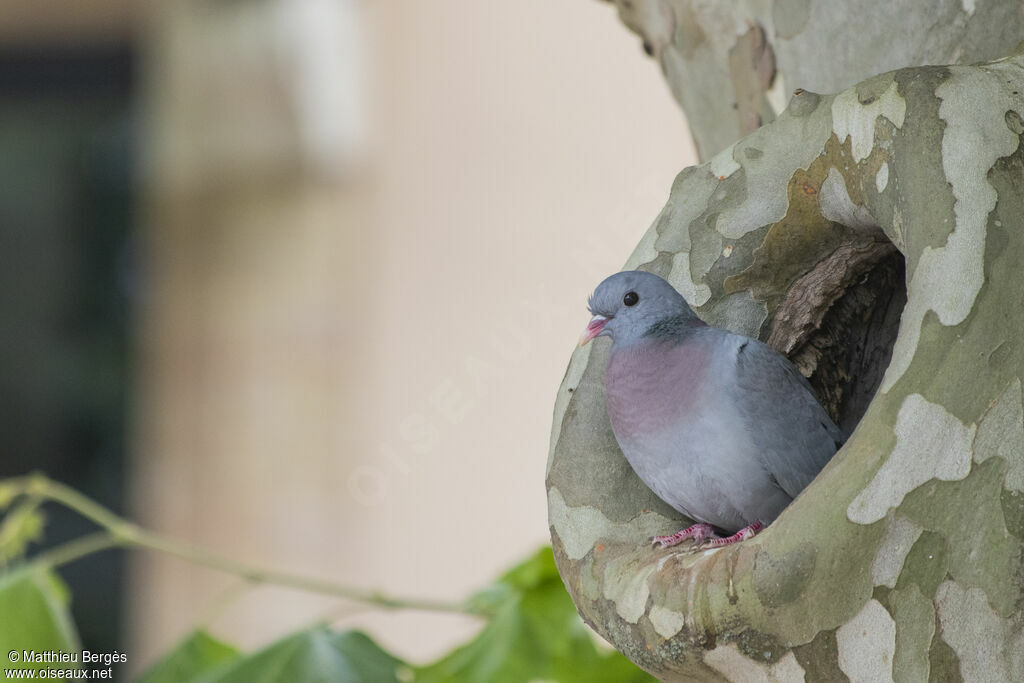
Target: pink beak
(594, 328)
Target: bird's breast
(653, 388)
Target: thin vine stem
(119, 532)
(76, 549)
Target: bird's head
(628, 304)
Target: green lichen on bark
(912, 536)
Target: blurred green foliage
(34, 616)
(532, 632)
(316, 654)
(535, 633)
(197, 655)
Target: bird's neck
(676, 328)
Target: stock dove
(721, 427)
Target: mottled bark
(903, 560)
(732, 65)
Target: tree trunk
(732, 65)
(903, 559)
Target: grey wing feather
(796, 438)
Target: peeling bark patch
(837, 206)
(976, 633)
(665, 621)
(802, 238)
(820, 658)
(1012, 504)
(735, 666)
(968, 538)
(900, 537)
(625, 584)
(706, 248)
(927, 564)
(915, 628)
(688, 200)
(645, 252)
(867, 644)
(931, 443)
(1001, 433)
(765, 201)
(852, 119)
(882, 177)
(787, 669)
(943, 666)
(779, 581)
(731, 663)
(580, 528)
(681, 278)
(723, 165)
(947, 280)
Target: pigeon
(720, 426)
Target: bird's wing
(795, 436)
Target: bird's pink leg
(698, 532)
(741, 535)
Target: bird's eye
(630, 299)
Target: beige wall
(524, 148)
(354, 378)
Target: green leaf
(34, 618)
(318, 655)
(197, 655)
(535, 633)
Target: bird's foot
(698, 532)
(743, 534)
